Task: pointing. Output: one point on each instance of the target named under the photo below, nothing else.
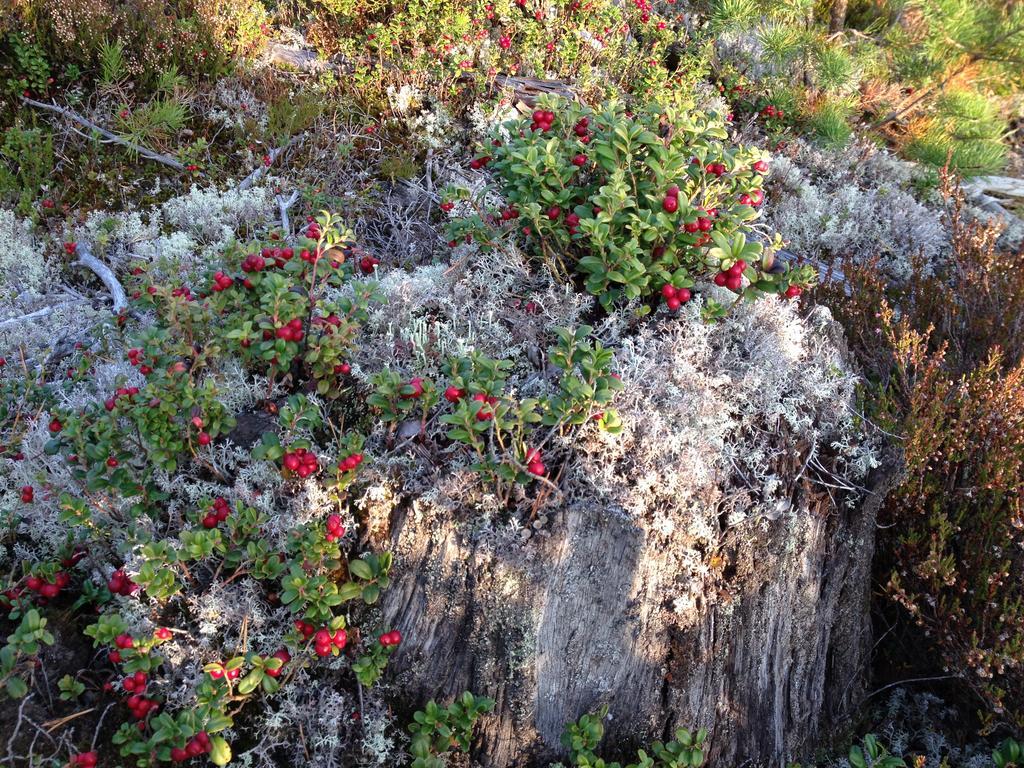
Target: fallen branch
(106, 276)
(149, 154)
(256, 175)
(38, 314)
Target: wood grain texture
(768, 654)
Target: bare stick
(284, 205)
(149, 154)
(104, 273)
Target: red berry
(670, 204)
(554, 212)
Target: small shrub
(949, 373)
(437, 731)
(635, 204)
(26, 164)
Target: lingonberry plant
(582, 738)
(507, 434)
(140, 544)
(438, 730)
(636, 204)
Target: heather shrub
(195, 36)
(949, 373)
(633, 204)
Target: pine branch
(149, 154)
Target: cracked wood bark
(768, 655)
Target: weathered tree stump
(767, 655)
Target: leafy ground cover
(268, 266)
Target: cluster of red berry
(485, 413)
(48, 589)
(285, 657)
(542, 120)
(196, 746)
(582, 130)
(221, 282)
(291, 331)
(392, 638)
(126, 392)
(675, 297)
(121, 642)
(139, 705)
(218, 514)
(350, 462)
(731, 278)
(534, 463)
(121, 584)
(302, 462)
(335, 530)
(368, 263)
(325, 642)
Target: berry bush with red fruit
(632, 205)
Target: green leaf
(361, 569)
(16, 687)
(220, 751)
